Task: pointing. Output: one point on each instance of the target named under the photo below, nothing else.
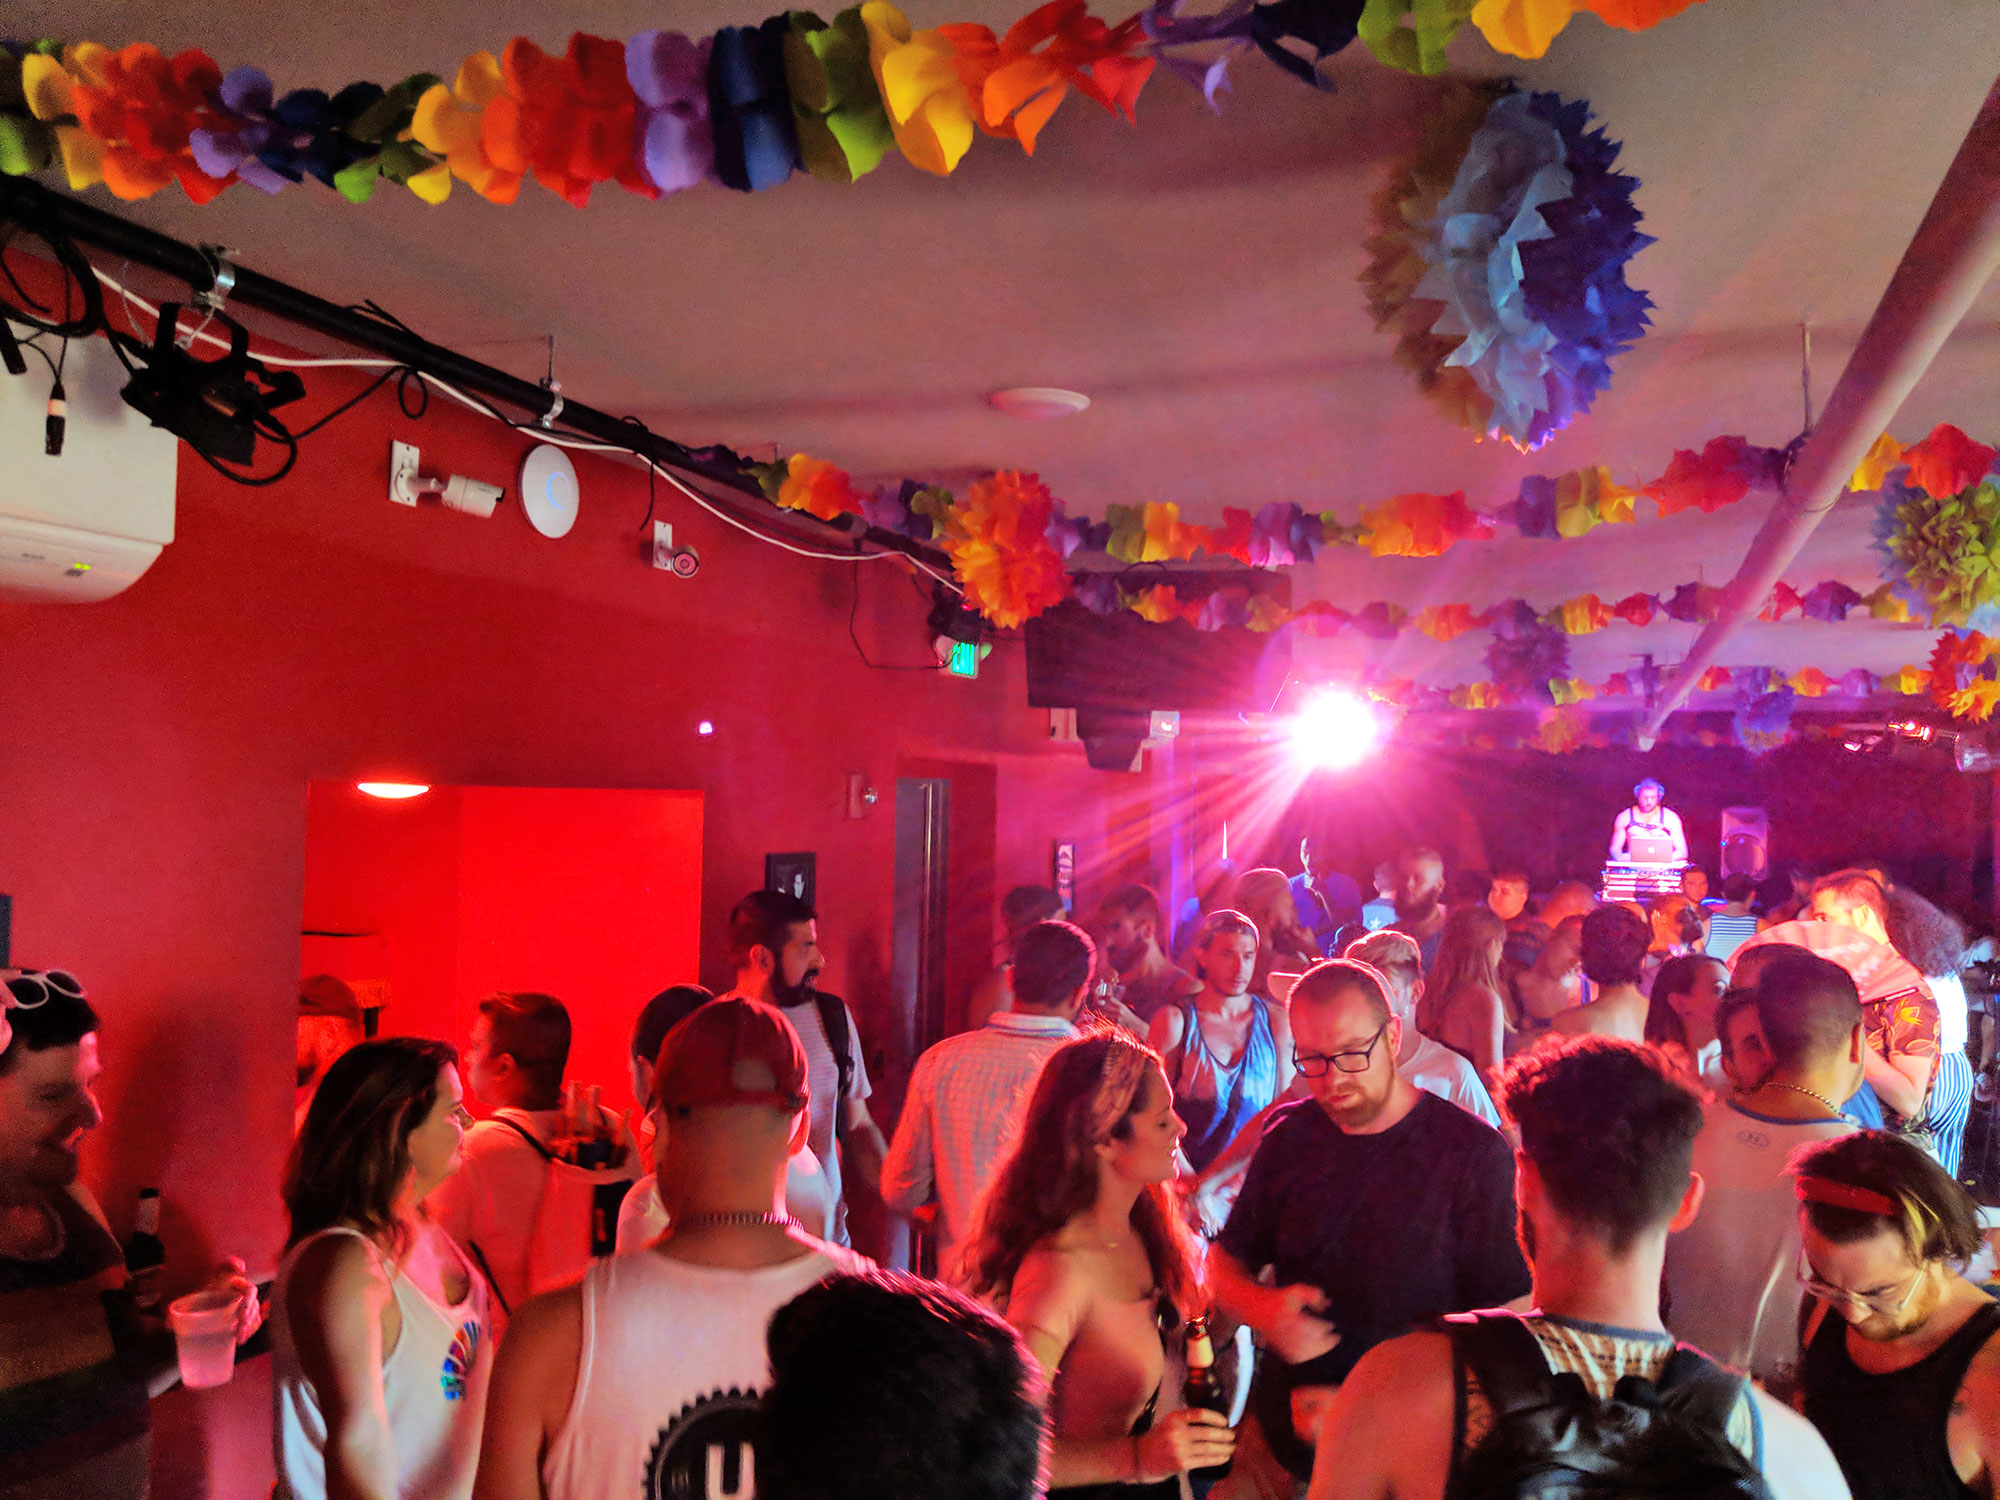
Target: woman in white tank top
(381, 1344)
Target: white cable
(582, 445)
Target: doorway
(917, 955)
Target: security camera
(684, 562)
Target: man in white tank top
(642, 1380)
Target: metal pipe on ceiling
(31, 204)
(1953, 254)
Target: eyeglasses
(1887, 1304)
(1315, 1064)
(30, 988)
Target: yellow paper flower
(1521, 28)
(1585, 615)
(1811, 683)
(1588, 498)
(450, 122)
(1906, 681)
(1157, 604)
(930, 109)
(1875, 464)
(1886, 604)
(1266, 614)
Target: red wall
(154, 768)
(592, 896)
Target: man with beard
(78, 1356)
(1128, 930)
(1560, 1401)
(1901, 1369)
(1420, 899)
(774, 940)
(1374, 1204)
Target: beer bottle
(144, 1254)
(1201, 1391)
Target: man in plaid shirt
(968, 1093)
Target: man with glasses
(1901, 1370)
(1375, 1206)
(1730, 1287)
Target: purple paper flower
(1222, 609)
(1830, 601)
(246, 95)
(669, 73)
(1525, 662)
(1513, 618)
(1860, 683)
(1271, 535)
(1097, 592)
(1380, 621)
(1535, 512)
(1684, 604)
(1322, 27)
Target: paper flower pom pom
(1518, 268)
(1942, 551)
(997, 538)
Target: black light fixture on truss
(218, 407)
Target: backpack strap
(1497, 1350)
(839, 1041)
(1699, 1390)
(527, 1135)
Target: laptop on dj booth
(1649, 849)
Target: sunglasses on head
(29, 988)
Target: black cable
(853, 609)
(348, 405)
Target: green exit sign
(964, 659)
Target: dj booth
(1624, 880)
(1649, 870)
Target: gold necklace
(1793, 1088)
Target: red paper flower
(1018, 81)
(1947, 461)
(1785, 600)
(1707, 480)
(1714, 680)
(143, 106)
(1635, 15)
(1636, 609)
(1445, 622)
(567, 119)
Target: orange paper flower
(998, 540)
(450, 122)
(818, 488)
(566, 119)
(1882, 456)
(1636, 15)
(143, 106)
(1018, 81)
(1157, 605)
(1585, 615)
(1445, 622)
(1810, 683)
(1714, 680)
(1947, 461)
(1707, 480)
(1420, 525)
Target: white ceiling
(1195, 276)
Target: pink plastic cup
(204, 1325)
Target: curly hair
(1610, 1128)
(353, 1153)
(1615, 942)
(1087, 1094)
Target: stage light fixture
(1334, 730)
(392, 791)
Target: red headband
(1845, 1195)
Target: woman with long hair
(381, 1342)
(1082, 1248)
(1464, 1006)
(1680, 1016)
(1265, 896)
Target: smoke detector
(1038, 403)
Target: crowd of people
(1470, 1187)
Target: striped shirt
(73, 1414)
(967, 1095)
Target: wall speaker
(1746, 842)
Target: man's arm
(1797, 1463)
(1389, 1431)
(1620, 825)
(909, 1171)
(534, 1381)
(1901, 1080)
(861, 1145)
(1285, 1317)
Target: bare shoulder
(1979, 1393)
(1797, 1463)
(535, 1375)
(335, 1268)
(1389, 1430)
(1167, 1028)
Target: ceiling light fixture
(1038, 403)
(392, 791)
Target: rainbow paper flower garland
(662, 112)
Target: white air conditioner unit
(82, 526)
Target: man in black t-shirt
(1375, 1206)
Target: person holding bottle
(1081, 1247)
